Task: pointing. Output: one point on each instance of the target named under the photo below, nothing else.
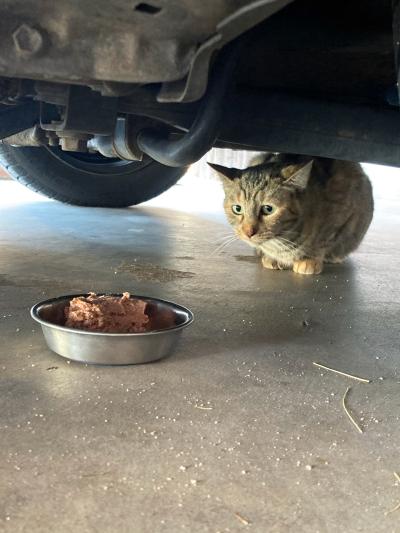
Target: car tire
(87, 179)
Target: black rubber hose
(202, 134)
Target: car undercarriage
(126, 81)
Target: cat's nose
(249, 230)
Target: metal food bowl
(113, 348)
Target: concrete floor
(237, 430)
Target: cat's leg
(272, 264)
(269, 263)
(308, 266)
(334, 260)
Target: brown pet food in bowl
(107, 314)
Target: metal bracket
(194, 85)
(16, 118)
(86, 111)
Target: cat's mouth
(254, 240)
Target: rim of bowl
(36, 308)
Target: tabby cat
(298, 212)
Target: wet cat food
(108, 314)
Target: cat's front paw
(269, 263)
(308, 266)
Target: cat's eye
(267, 209)
(237, 209)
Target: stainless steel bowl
(112, 348)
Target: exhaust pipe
(202, 134)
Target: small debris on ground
(363, 380)
(396, 508)
(356, 425)
(242, 519)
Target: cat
(298, 212)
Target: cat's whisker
(224, 245)
(288, 241)
(304, 249)
(220, 248)
(287, 245)
(285, 239)
(223, 239)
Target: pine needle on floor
(351, 376)
(352, 419)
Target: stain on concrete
(6, 281)
(247, 258)
(150, 272)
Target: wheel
(87, 179)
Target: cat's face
(263, 202)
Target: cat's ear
(226, 173)
(299, 178)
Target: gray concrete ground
(237, 431)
